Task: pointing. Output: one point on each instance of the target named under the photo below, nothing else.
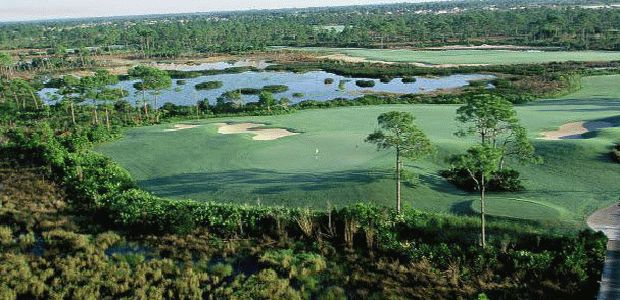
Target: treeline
(515, 22)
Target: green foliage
(275, 89)
(505, 180)
(615, 153)
(365, 83)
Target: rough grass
(576, 178)
(471, 56)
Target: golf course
(464, 57)
(323, 159)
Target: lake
(302, 86)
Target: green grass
(493, 57)
(576, 178)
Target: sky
(22, 10)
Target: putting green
(199, 163)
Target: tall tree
(266, 99)
(151, 79)
(494, 120)
(70, 91)
(481, 162)
(398, 131)
(6, 64)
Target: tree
(266, 99)
(398, 131)
(495, 121)
(110, 94)
(6, 64)
(480, 161)
(69, 90)
(93, 86)
(22, 90)
(152, 79)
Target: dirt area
(574, 130)
(178, 127)
(260, 134)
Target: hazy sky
(17, 10)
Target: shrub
(408, 79)
(298, 95)
(249, 91)
(181, 82)
(615, 153)
(365, 83)
(385, 79)
(328, 80)
(209, 85)
(275, 88)
(506, 180)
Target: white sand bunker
(574, 130)
(260, 134)
(178, 127)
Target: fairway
(458, 57)
(329, 162)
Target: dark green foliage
(408, 79)
(615, 153)
(506, 180)
(385, 79)
(365, 83)
(298, 95)
(328, 81)
(249, 91)
(209, 85)
(181, 82)
(275, 89)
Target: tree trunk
(156, 109)
(95, 114)
(107, 117)
(34, 99)
(482, 213)
(72, 113)
(146, 110)
(398, 180)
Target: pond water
(302, 86)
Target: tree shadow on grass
(256, 182)
(600, 104)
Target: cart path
(607, 220)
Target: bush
(386, 79)
(209, 85)
(275, 89)
(506, 180)
(249, 91)
(298, 95)
(408, 79)
(615, 153)
(365, 83)
(181, 82)
(328, 80)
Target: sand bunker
(574, 130)
(178, 127)
(260, 134)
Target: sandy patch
(574, 130)
(260, 134)
(178, 127)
